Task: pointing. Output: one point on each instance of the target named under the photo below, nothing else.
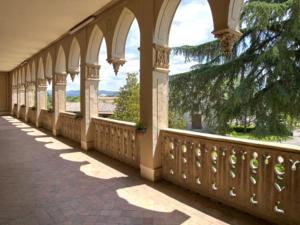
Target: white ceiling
(27, 26)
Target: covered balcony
(58, 167)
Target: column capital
(161, 57)
(41, 83)
(116, 63)
(21, 87)
(228, 38)
(60, 79)
(91, 71)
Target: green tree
(49, 101)
(259, 80)
(128, 105)
(128, 101)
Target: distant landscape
(75, 93)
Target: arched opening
(73, 79)
(60, 66)
(177, 28)
(94, 46)
(49, 76)
(33, 79)
(29, 88)
(124, 86)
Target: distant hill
(75, 93)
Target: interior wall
(4, 92)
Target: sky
(192, 25)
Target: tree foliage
(128, 106)
(127, 103)
(259, 81)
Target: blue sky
(192, 25)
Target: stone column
(153, 95)
(154, 107)
(14, 97)
(30, 88)
(89, 102)
(41, 98)
(21, 97)
(59, 98)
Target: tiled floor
(45, 181)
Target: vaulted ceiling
(27, 26)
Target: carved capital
(49, 80)
(73, 74)
(41, 83)
(21, 87)
(116, 64)
(161, 57)
(227, 38)
(60, 79)
(91, 71)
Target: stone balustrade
(70, 126)
(46, 119)
(117, 139)
(22, 112)
(262, 179)
(15, 110)
(31, 115)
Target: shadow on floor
(49, 180)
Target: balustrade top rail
(131, 124)
(70, 114)
(250, 143)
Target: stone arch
(120, 34)
(41, 71)
(28, 74)
(230, 9)
(74, 57)
(33, 72)
(23, 75)
(225, 14)
(94, 44)
(49, 67)
(60, 66)
(164, 21)
(19, 76)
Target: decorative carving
(60, 79)
(49, 79)
(21, 87)
(41, 83)
(161, 57)
(116, 64)
(227, 38)
(92, 72)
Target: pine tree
(259, 81)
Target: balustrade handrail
(131, 124)
(220, 138)
(70, 114)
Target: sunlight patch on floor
(149, 198)
(33, 132)
(94, 168)
(53, 143)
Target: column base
(87, 145)
(55, 132)
(151, 174)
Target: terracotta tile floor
(46, 181)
